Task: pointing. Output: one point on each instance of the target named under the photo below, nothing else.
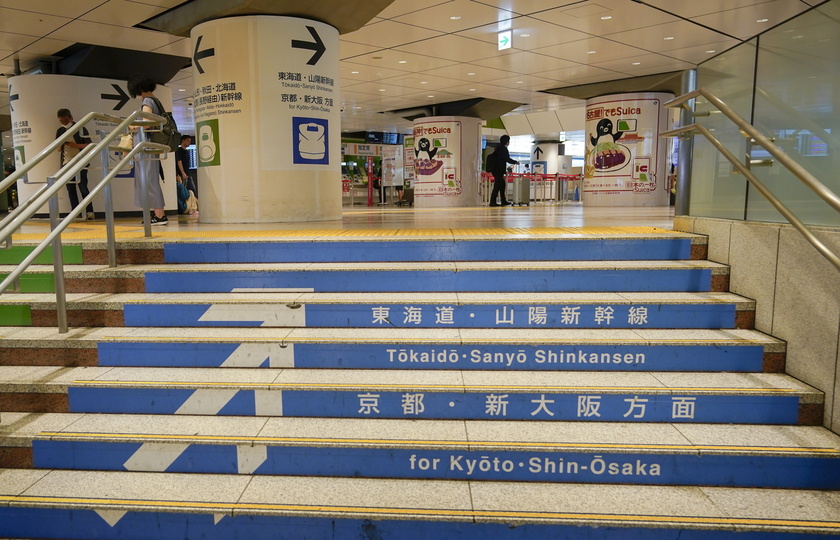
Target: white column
(447, 152)
(267, 117)
(625, 156)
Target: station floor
(536, 219)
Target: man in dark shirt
(69, 150)
(499, 161)
(182, 165)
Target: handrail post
(110, 234)
(58, 265)
(140, 164)
(685, 153)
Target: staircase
(584, 384)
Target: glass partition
(786, 83)
(797, 101)
(716, 191)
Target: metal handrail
(795, 168)
(48, 195)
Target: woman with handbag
(143, 86)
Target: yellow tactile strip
(94, 231)
(244, 508)
(411, 443)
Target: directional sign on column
(119, 96)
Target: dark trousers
(499, 188)
(83, 189)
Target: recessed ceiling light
(762, 20)
(381, 89)
(424, 82)
(354, 72)
(591, 52)
(470, 73)
(520, 82)
(181, 90)
(430, 96)
(669, 38)
(403, 61)
(637, 63)
(524, 35)
(710, 51)
(472, 89)
(455, 18)
(357, 108)
(606, 17)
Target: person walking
(69, 150)
(498, 162)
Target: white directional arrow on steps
(266, 314)
(254, 354)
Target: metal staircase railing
(744, 168)
(48, 194)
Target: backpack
(491, 161)
(168, 134)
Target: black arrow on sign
(12, 97)
(317, 46)
(121, 97)
(198, 55)
(537, 152)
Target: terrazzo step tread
(38, 503)
(751, 398)
(398, 348)
(621, 453)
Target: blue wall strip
(661, 468)
(594, 405)
(558, 357)
(432, 250)
(605, 315)
(593, 280)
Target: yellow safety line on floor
(494, 388)
(419, 442)
(92, 231)
(88, 502)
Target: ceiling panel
(385, 34)
(28, 23)
(526, 7)
(591, 50)
(401, 7)
(750, 20)
(348, 49)
(71, 10)
(455, 16)
(525, 62)
(449, 47)
(468, 73)
(113, 36)
(667, 37)
(528, 33)
(392, 59)
(121, 13)
(604, 17)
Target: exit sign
(504, 40)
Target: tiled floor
(519, 217)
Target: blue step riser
(520, 466)
(590, 280)
(82, 523)
(549, 357)
(596, 249)
(588, 405)
(604, 315)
